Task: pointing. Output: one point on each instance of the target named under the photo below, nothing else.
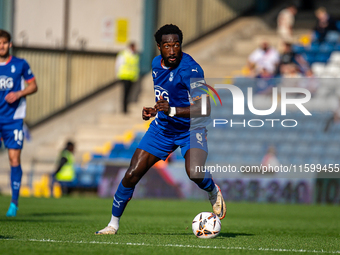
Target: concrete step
(243, 48)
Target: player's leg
(194, 148)
(141, 162)
(13, 139)
(16, 173)
(154, 146)
(195, 159)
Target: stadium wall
(198, 17)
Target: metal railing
(64, 78)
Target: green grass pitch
(67, 226)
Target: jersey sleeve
(193, 78)
(26, 72)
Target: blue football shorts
(12, 134)
(162, 143)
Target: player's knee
(131, 177)
(195, 176)
(14, 161)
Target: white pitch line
(178, 246)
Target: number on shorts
(18, 135)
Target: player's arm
(192, 111)
(15, 95)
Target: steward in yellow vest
(127, 68)
(65, 171)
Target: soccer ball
(206, 225)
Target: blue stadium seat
(310, 57)
(138, 137)
(291, 136)
(97, 156)
(302, 149)
(322, 57)
(326, 47)
(284, 159)
(314, 47)
(337, 23)
(117, 150)
(285, 149)
(307, 137)
(317, 150)
(332, 36)
(297, 48)
(312, 159)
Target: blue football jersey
(13, 75)
(180, 86)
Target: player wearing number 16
(13, 74)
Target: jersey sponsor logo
(171, 78)
(29, 72)
(6, 83)
(12, 69)
(155, 74)
(159, 91)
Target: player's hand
(162, 105)
(148, 112)
(12, 97)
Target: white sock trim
(114, 222)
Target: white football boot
(218, 204)
(107, 231)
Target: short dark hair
(5, 34)
(168, 29)
(69, 144)
(292, 5)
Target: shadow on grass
(223, 235)
(6, 237)
(62, 214)
(159, 234)
(233, 235)
(42, 217)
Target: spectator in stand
(285, 23)
(263, 58)
(291, 71)
(310, 82)
(265, 83)
(324, 24)
(270, 160)
(289, 57)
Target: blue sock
(120, 199)
(207, 184)
(16, 174)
